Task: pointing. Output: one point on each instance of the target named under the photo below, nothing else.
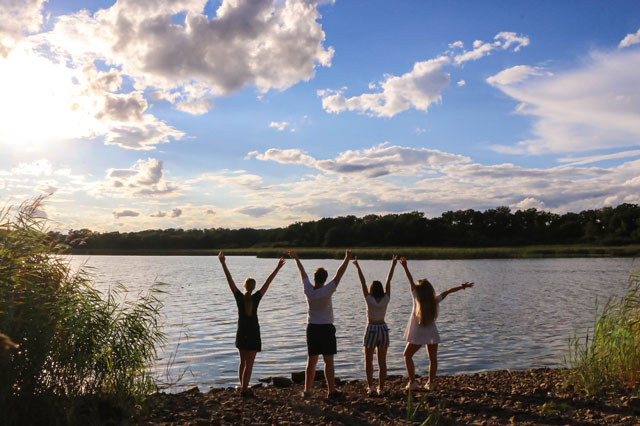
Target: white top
(376, 310)
(417, 334)
(319, 302)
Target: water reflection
(518, 315)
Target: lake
(518, 316)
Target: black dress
(248, 334)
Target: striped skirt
(376, 335)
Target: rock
(297, 377)
(634, 402)
(193, 390)
(282, 382)
(264, 379)
(257, 386)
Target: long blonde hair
(427, 306)
(249, 286)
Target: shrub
(78, 349)
(608, 358)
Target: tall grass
(76, 345)
(608, 358)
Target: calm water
(518, 316)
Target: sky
(146, 114)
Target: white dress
(417, 334)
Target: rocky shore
(533, 397)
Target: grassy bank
(425, 253)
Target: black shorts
(321, 339)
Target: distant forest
(463, 228)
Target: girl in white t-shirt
(376, 336)
(421, 329)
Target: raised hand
(281, 262)
(394, 259)
(347, 254)
(403, 261)
(466, 285)
(221, 257)
(292, 254)
(355, 262)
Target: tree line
(462, 228)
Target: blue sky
(154, 114)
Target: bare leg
(382, 366)
(310, 372)
(432, 351)
(368, 364)
(329, 373)
(248, 368)
(242, 365)
(408, 360)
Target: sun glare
(40, 102)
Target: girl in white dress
(421, 329)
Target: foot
(247, 394)
(380, 392)
(370, 390)
(305, 395)
(430, 386)
(412, 386)
(335, 395)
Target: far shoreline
(383, 253)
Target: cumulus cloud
(18, 18)
(266, 44)
(630, 39)
(594, 106)
(176, 212)
(125, 213)
(461, 83)
(143, 179)
(379, 160)
(37, 168)
(419, 88)
(159, 214)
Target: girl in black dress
(248, 336)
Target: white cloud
(515, 75)
(125, 213)
(461, 83)
(143, 179)
(379, 160)
(37, 168)
(279, 125)
(159, 214)
(265, 44)
(17, 18)
(176, 212)
(255, 211)
(418, 89)
(574, 161)
(528, 203)
(595, 106)
(630, 39)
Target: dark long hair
(376, 290)
(249, 286)
(427, 306)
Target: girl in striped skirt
(376, 337)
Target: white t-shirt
(376, 310)
(319, 302)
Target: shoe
(371, 390)
(380, 392)
(412, 386)
(335, 395)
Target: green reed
(608, 358)
(81, 353)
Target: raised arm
(403, 262)
(363, 283)
(462, 286)
(270, 278)
(292, 254)
(227, 274)
(342, 268)
(387, 286)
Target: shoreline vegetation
(385, 253)
(70, 355)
